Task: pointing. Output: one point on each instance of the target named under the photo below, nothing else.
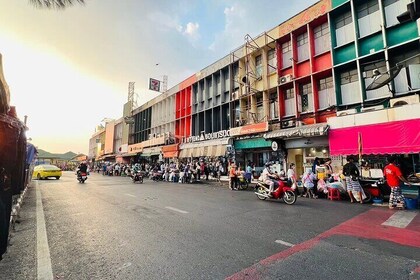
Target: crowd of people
(313, 183)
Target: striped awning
(310, 130)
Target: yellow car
(44, 171)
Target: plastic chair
(334, 194)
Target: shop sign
(208, 136)
(249, 129)
(135, 148)
(274, 146)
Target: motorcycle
(157, 176)
(282, 192)
(81, 177)
(137, 177)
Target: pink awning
(399, 137)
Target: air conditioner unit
(373, 108)
(285, 79)
(406, 100)
(346, 112)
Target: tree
(55, 4)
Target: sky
(69, 69)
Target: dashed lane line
(176, 210)
(130, 195)
(284, 243)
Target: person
(233, 183)
(248, 172)
(269, 178)
(328, 170)
(82, 167)
(291, 178)
(394, 178)
(308, 182)
(352, 174)
(315, 165)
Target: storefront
(374, 142)
(302, 144)
(132, 151)
(208, 148)
(151, 154)
(170, 151)
(256, 150)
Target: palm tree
(55, 4)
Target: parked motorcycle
(242, 183)
(282, 192)
(157, 176)
(137, 177)
(81, 177)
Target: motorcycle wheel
(368, 197)
(243, 185)
(289, 197)
(261, 190)
(141, 180)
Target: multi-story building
(291, 93)
(376, 65)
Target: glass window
(394, 8)
(286, 50)
(306, 97)
(258, 65)
(349, 77)
(344, 29)
(302, 47)
(326, 93)
(290, 93)
(322, 38)
(272, 61)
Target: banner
(154, 84)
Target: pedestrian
(352, 174)
(248, 172)
(394, 178)
(308, 182)
(291, 178)
(233, 183)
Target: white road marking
(284, 243)
(400, 219)
(130, 195)
(44, 270)
(176, 210)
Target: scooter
(81, 177)
(282, 192)
(137, 177)
(157, 176)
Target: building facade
(330, 67)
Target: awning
(399, 137)
(220, 150)
(310, 130)
(170, 154)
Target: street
(110, 228)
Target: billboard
(109, 137)
(154, 84)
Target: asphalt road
(110, 228)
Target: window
(258, 66)
(306, 102)
(326, 93)
(274, 106)
(350, 90)
(272, 61)
(235, 77)
(369, 18)
(302, 47)
(344, 29)
(289, 105)
(286, 51)
(322, 38)
(369, 74)
(393, 8)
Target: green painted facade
(344, 53)
(252, 143)
(402, 33)
(336, 3)
(371, 44)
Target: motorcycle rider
(82, 168)
(269, 178)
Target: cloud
(191, 30)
